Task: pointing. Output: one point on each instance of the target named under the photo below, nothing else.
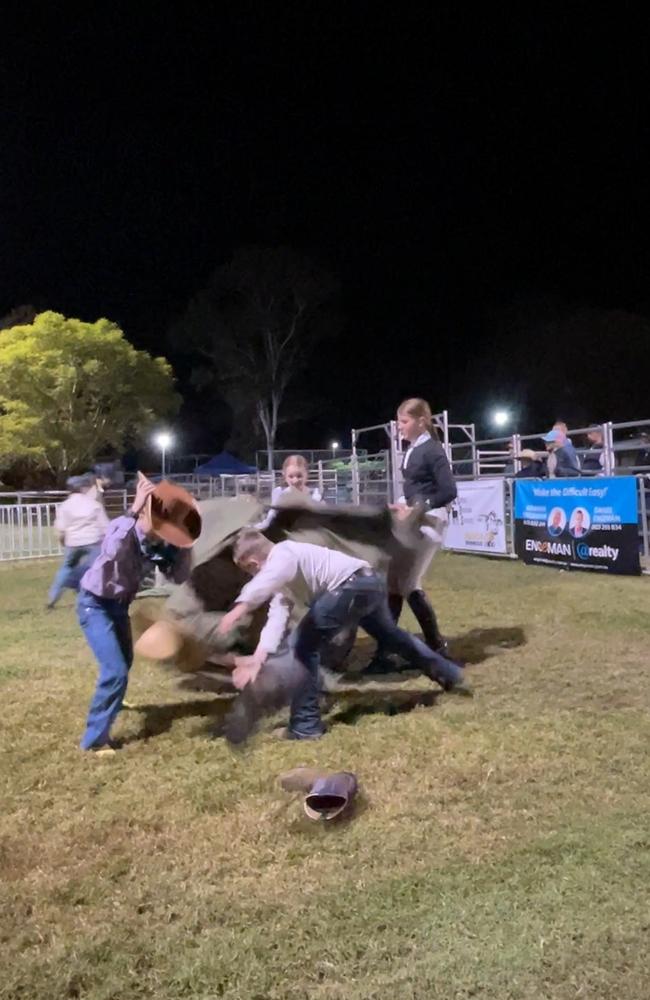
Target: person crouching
(340, 591)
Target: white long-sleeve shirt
(276, 496)
(82, 520)
(295, 573)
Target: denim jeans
(76, 560)
(107, 628)
(361, 600)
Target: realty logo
(596, 552)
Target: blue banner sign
(578, 524)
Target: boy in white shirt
(340, 591)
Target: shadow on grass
(475, 646)
(479, 644)
(158, 719)
(378, 703)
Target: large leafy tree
(255, 328)
(71, 390)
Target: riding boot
(426, 617)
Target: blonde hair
(299, 460)
(250, 544)
(416, 407)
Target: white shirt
(82, 520)
(295, 572)
(276, 497)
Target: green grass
(500, 849)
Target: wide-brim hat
(174, 515)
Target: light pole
(334, 446)
(163, 441)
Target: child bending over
(340, 591)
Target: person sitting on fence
(562, 460)
(532, 465)
(163, 523)
(593, 461)
(295, 472)
(341, 592)
(81, 523)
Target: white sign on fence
(477, 519)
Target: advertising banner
(477, 518)
(578, 524)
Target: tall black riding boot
(420, 605)
(395, 603)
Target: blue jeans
(76, 560)
(107, 628)
(361, 600)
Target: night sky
(452, 173)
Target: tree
(19, 316)
(254, 328)
(71, 390)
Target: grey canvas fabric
(197, 606)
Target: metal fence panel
(27, 531)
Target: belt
(363, 571)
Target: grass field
(500, 850)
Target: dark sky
(443, 167)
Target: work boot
(327, 794)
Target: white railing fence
(27, 531)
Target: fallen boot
(327, 794)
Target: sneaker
(284, 733)
(461, 688)
(108, 749)
(430, 668)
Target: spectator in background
(532, 465)
(562, 461)
(593, 462)
(561, 426)
(81, 523)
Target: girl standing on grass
(427, 480)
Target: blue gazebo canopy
(224, 464)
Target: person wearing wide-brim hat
(161, 527)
